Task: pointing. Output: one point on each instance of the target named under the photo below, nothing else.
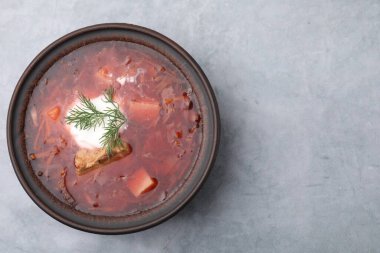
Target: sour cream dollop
(90, 138)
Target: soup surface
(161, 136)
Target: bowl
(112, 224)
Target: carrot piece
(32, 156)
(168, 100)
(54, 112)
(104, 73)
(143, 111)
(178, 134)
(140, 182)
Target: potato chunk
(144, 112)
(140, 182)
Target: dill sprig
(86, 116)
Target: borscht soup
(113, 128)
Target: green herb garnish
(86, 116)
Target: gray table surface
(298, 84)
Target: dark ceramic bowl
(106, 224)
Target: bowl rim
(215, 118)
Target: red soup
(113, 128)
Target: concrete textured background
(299, 94)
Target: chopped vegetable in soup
(113, 128)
